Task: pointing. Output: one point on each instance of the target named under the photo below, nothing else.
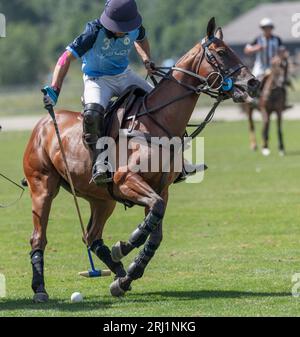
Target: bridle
(222, 76)
(221, 85)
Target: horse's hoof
(116, 290)
(253, 147)
(40, 298)
(281, 153)
(116, 252)
(266, 152)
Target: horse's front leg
(138, 191)
(43, 190)
(101, 210)
(253, 143)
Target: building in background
(245, 28)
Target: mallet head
(95, 273)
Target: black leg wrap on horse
(140, 235)
(137, 267)
(37, 261)
(104, 254)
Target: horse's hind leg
(43, 188)
(137, 267)
(137, 190)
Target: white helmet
(266, 22)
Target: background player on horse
(265, 47)
(271, 67)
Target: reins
(160, 72)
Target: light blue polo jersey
(101, 52)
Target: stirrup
(101, 178)
(100, 174)
(184, 174)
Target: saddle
(120, 108)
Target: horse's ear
(211, 27)
(219, 33)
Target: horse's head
(222, 68)
(278, 72)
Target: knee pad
(93, 119)
(94, 107)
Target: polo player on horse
(104, 49)
(210, 67)
(266, 48)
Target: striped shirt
(264, 57)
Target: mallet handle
(50, 109)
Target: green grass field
(231, 244)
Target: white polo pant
(100, 90)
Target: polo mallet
(93, 272)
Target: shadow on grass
(210, 294)
(55, 305)
(145, 297)
(293, 153)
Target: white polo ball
(76, 298)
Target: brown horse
(210, 60)
(272, 99)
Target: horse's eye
(221, 53)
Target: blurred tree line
(38, 31)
